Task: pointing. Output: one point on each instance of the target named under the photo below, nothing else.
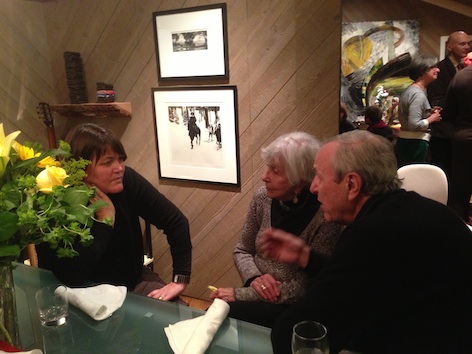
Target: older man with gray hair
(399, 278)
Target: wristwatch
(180, 278)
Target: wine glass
(309, 337)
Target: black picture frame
(192, 43)
(197, 136)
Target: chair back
(427, 180)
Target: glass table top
(137, 327)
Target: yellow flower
(49, 177)
(5, 147)
(48, 161)
(24, 152)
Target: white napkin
(99, 302)
(195, 335)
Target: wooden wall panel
(283, 57)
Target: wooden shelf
(94, 110)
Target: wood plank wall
(284, 60)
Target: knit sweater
(319, 234)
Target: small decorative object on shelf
(75, 77)
(105, 93)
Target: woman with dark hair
(116, 253)
(415, 113)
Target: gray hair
(420, 64)
(369, 155)
(296, 151)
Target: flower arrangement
(43, 198)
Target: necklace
(420, 86)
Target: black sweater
(116, 254)
(399, 281)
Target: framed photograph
(192, 43)
(197, 133)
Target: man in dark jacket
(458, 112)
(457, 46)
(399, 278)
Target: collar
(454, 61)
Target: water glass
(52, 305)
(310, 337)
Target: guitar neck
(45, 113)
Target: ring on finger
(263, 287)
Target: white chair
(427, 180)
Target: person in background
(458, 111)
(345, 124)
(373, 118)
(457, 46)
(392, 112)
(116, 254)
(284, 202)
(396, 282)
(414, 112)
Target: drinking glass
(52, 305)
(309, 337)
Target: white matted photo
(197, 133)
(192, 43)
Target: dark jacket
(397, 282)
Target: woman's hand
(108, 211)
(435, 116)
(168, 292)
(226, 294)
(267, 287)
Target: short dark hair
(420, 64)
(90, 141)
(374, 113)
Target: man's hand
(284, 247)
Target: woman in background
(284, 203)
(415, 113)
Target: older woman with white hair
(285, 202)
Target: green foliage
(27, 215)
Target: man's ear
(354, 185)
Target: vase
(8, 316)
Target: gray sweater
(320, 235)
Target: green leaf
(9, 222)
(9, 250)
(76, 195)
